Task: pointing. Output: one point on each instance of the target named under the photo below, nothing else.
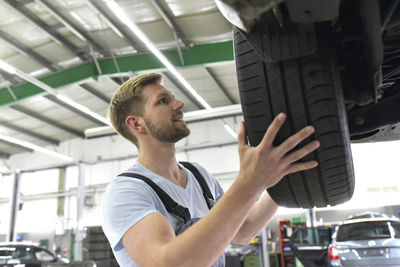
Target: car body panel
(25, 254)
(367, 242)
(310, 245)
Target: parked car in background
(310, 245)
(27, 255)
(366, 240)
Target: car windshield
(368, 230)
(18, 252)
(312, 236)
(43, 255)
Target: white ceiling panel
(184, 7)
(6, 131)
(42, 13)
(71, 4)
(199, 21)
(7, 50)
(105, 86)
(27, 123)
(111, 42)
(39, 104)
(48, 130)
(226, 75)
(139, 11)
(205, 28)
(55, 52)
(7, 15)
(55, 112)
(35, 37)
(78, 123)
(73, 38)
(23, 63)
(81, 96)
(205, 86)
(85, 16)
(27, 138)
(10, 114)
(76, 93)
(159, 33)
(6, 149)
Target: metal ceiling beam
(4, 155)
(30, 133)
(95, 92)
(23, 11)
(19, 46)
(167, 18)
(185, 92)
(136, 44)
(24, 2)
(56, 100)
(119, 80)
(67, 23)
(198, 55)
(16, 146)
(8, 77)
(219, 85)
(53, 123)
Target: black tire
(308, 90)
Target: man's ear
(135, 123)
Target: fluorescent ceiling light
(82, 108)
(35, 147)
(35, 81)
(3, 169)
(140, 34)
(5, 66)
(230, 131)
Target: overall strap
(206, 191)
(168, 202)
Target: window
(395, 227)
(44, 255)
(5, 252)
(22, 253)
(313, 236)
(367, 230)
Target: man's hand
(265, 165)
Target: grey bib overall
(182, 212)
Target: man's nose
(178, 104)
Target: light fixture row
(140, 34)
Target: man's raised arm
(152, 241)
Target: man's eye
(162, 101)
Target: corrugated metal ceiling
(43, 37)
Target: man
(140, 230)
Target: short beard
(168, 133)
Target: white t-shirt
(128, 200)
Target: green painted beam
(194, 56)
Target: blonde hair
(128, 100)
